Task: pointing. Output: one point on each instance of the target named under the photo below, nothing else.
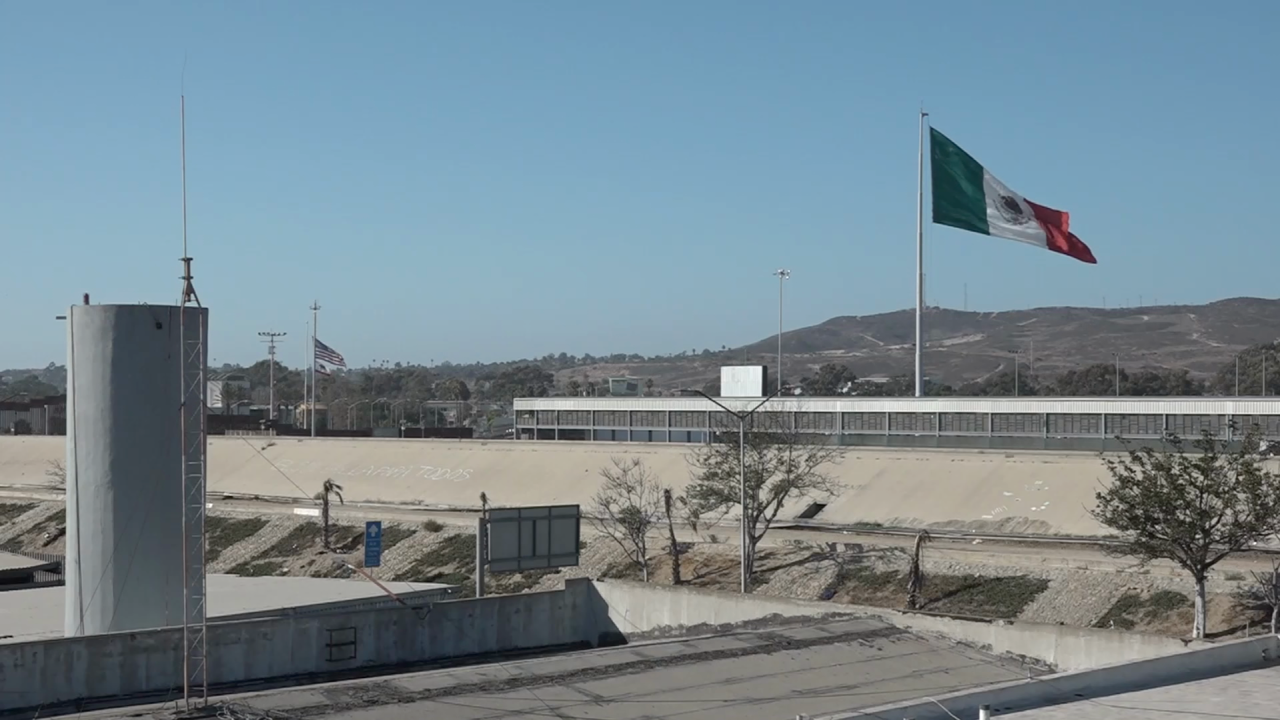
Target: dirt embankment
(243, 543)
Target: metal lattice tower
(194, 331)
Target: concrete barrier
(1207, 662)
(640, 610)
(986, 491)
(148, 663)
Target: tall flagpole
(920, 260)
(315, 323)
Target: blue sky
(487, 180)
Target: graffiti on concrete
(424, 472)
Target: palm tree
(329, 488)
(915, 574)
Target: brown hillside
(962, 346)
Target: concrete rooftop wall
(977, 490)
(642, 610)
(149, 662)
(1217, 660)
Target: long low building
(1012, 423)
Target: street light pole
(1016, 355)
(271, 336)
(782, 274)
(742, 417)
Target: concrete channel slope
(984, 491)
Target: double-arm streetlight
(351, 413)
(742, 469)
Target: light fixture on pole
(271, 336)
(742, 473)
(782, 274)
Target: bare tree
(1264, 594)
(57, 474)
(627, 506)
(673, 547)
(779, 463)
(330, 488)
(1192, 505)
(915, 572)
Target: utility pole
(271, 336)
(782, 274)
(1117, 355)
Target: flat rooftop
(1252, 694)
(766, 674)
(10, 562)
(37, 613)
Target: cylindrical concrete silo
(124, 568)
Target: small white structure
(125, 503)
(744, 381)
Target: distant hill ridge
(962, 345)
(959, 345)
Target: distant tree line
(1255, 371)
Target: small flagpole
(920, 260)
(315, 326)
(306, 381)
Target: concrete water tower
(129, 404)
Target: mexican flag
(967, 196)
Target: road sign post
(373, 544)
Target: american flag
(326, 357)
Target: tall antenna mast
(192, 331)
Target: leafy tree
(627, 506)
(573, 388)
(781, 465)
(1194, 506)
(30, 386)
(453, 389)
(519, 381)
(1252, 360)
(648, 385)
(330, 488)
(231, 396)
(831, 379)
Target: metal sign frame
(532, 538)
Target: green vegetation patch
(258, 569)
(393, 535)
(11, 511)
(299, 538)
(345, 538)
(223, 532)
(1003, 597)
(994, 597)
(453, 555)
(1133, 607)
(432, 525)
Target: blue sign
(373, 543)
